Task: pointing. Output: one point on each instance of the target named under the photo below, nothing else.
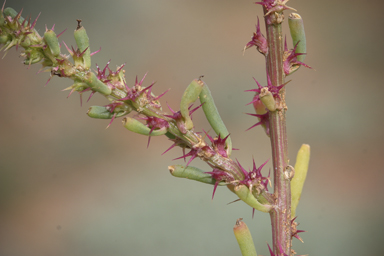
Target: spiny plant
(151, 120)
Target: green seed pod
(245, 195)
(213, 116)
(82, 42)
(96, 85)
(192, 173)
(190, 95)
(297, 182)
(136, 126)
(100, 112)
(244, 238)
(296, 27)
(267, 98)
(52, 42)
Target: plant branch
(281, 213)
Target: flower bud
(267, 99)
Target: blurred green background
(68, 186)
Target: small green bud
(192, 173)
(190, 95)
(136, 126)
(82, 42)
(297, 182)
(245, 195)
(267, 99)
(213, 116)
(52, 42)
(244, 238)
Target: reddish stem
(281, 215)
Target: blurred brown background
(68, 186)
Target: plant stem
(281, 214)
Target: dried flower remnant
(263, 121)
(275, 6)
(179, 118)
(218, 144)
(155, 123)
(258, 40)
(290, 63)
(295, 231)
(273, 89)
(200, 149)
(220, 176)
(254, 179)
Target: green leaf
(297, 182)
